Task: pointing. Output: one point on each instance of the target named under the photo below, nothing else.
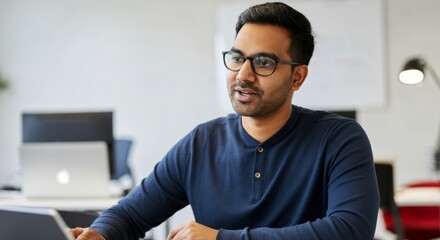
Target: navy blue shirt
(313, 179)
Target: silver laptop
(18, 223)
(65, 169)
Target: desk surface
(70, 204)
(418, 196)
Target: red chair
(418, 222)
(424, 184)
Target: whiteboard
(347, 70)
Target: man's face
(260, 96)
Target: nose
(246, 73)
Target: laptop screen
(69, 127)
(18, 223)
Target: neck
(262, 128)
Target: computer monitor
(69, 127)
(347, 113)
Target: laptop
(18, 223)
(65, 169)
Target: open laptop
(65, 169)
(18, 223)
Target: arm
(157, 198)
(145, 207)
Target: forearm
(114, 226)
(321, 229)
(148, 205)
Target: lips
(245, 95)
(245, 91)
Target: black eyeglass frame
(251, 59)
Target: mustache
(247, 85)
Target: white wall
(407, 129)
(153, 64)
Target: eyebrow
(264, 54)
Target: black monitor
(347, 113)
(69, 127)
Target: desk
(418, 196)
(68, 204)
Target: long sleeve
(314, 179)
(153, 201)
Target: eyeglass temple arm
(288, 62)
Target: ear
(299, 76)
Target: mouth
(245, 94)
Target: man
(271, 171)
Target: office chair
(424, 184)
(390, 211)
(121, 155)
(407, 222)
(421, 222)
(121, 168)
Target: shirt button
(257, 175)
(260, 149)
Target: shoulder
(321, 116)
(231, 121)
(325, 118)
(324, 123)
(211, 130)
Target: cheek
(230, 77)
(280, 84)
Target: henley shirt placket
(258, 174)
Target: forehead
(263, 38)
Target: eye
(264, 62)
(236, 58)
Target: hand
(86, 234)
(193, 231)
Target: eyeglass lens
(261, 65)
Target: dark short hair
(280, 14)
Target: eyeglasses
(261, 65)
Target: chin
(246, 111)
